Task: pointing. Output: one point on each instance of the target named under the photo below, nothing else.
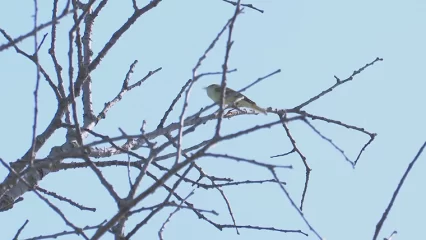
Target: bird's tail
(259, 109)
(251, 105)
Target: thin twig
(160, 232)
(61, 198)
(20, 230)
(364, 147)
(263, 228)
(296, 149)
(161, 206)
(52, 52)
(259, 80)
(229, 43)
(31, 57)
(33, 31)
(338, 83)
(124, 89)
(294, 205)
(391, 236)
(172, 204)
(166, 114)
(52, 206)
(395, 193)
(174, 170)
(254, 162)
(64, 233)
(245, 5)
(330, 141)
(35, 56)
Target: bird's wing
(230, 92)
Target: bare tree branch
(338, 83)
(244, 5)
(395, 193)
(156, 159)
(294, 205)
(20, 230)
(34, 31)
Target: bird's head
(211, 86)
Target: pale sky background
(310, 41)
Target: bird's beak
(205, 87)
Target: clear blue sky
(310, 41)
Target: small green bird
(232, 98)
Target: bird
(232, 98)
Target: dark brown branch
(338, 83)
(179, 207)
(119, 33)
(254, 162)
(260, 79)
(37, 85)
(296, 149)
(32, 58)
(64, 233)
(229, 43)
(294, 205)
(283, 154)
(263, 228)
(33, 31)
(330, 141)
(316, 117)
(52, 52)
(124, 89)
(172, 204)
(395, 193)
(391, 236)
(364, 147)
(166, 114)
(52, 206)
(20, 230)
(61, 198)
(174, 170)
(171, 193)
(245, 5)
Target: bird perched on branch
(232, 98)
